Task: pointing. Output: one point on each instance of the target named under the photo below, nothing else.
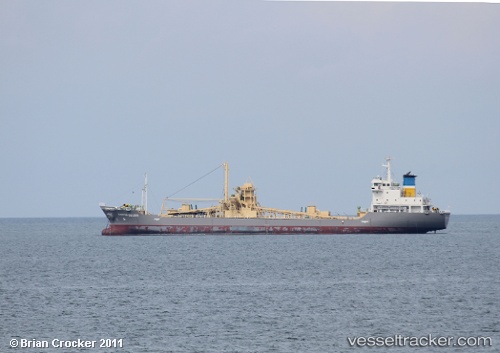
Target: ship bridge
(389, 196)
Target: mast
(226, 182)
(388, 166)
(145, 194)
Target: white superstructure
(389, 196)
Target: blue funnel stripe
(409, 179)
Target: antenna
(145, 194)
(388, 166)
(226, 182)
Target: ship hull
(134, 223)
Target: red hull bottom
(208, 230)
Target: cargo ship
(394, 208)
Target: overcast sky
(305, 98)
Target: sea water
(63, 285)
